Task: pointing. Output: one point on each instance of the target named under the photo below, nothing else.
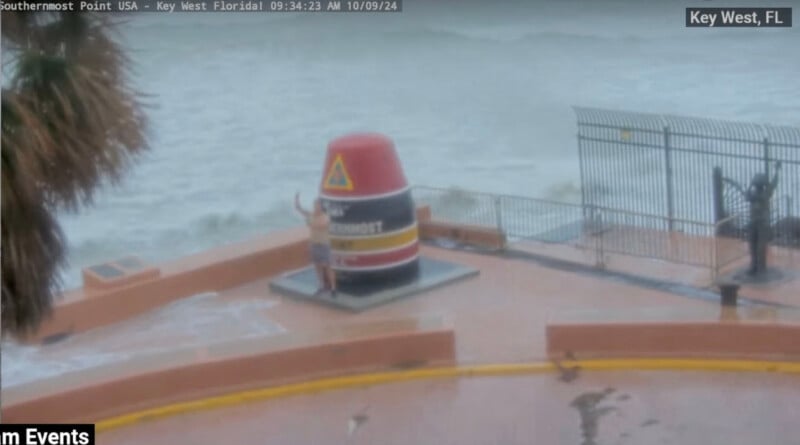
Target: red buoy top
(360, 166)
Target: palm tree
(70, 123)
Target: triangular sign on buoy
(337, 178)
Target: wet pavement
(498, 316)
(599, 408)
(198, 321)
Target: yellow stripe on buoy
(375, 243)
(362, 380)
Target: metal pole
(715, 254)
(766, 156)
(719, 204)
(599, 231)
(668, 173)
(583, 177)
(498, 214)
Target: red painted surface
(344, 259)
(370, 163)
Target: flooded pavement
(200, 320)
(599, 408)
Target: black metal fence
(648, 190)
(662, 165)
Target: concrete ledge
(103, 302)
(423, 213)
(213, 270)
(463, 234)
(118, 273)
(393, 344)
(674, 339)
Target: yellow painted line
(362, 380)
(374, 243)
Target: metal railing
(599, 229)
(662, 164)
(730, 248)
(517, 216)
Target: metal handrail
(600, 213)
(566, 204)
(497, 195)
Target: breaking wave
(201, 233)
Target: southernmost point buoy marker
(371, 231)
(373, 228)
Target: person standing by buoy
(318, 223)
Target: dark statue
(759, 195)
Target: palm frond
(32, 251)
(71, 122)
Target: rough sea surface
(476, 95)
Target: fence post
(719, 203)
(498, 214)
(581, 160)
(766, 156)
(668, 173)
(715, 253)
(599, 248)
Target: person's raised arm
(306, 214)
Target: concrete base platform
(771, 276)
(433, 273)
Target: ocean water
(476, 95)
